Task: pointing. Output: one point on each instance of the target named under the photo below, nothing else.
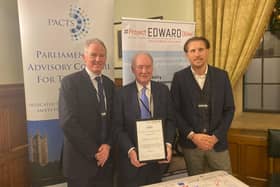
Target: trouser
(103, 178)
(199, 161)
(148, 174)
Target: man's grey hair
(141, 53)
(94, 40)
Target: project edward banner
(53, 34)
(163, 39)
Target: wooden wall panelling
(13, 137)
(276, 165)
(248, 150)
(4, 129)
(118, 82)
(254, 165)
(234, 157)
(19, 168)
(4, 175)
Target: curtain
(234, 29)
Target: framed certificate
(150, 140)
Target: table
(211, 179)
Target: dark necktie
(102, 108)
(144, 105)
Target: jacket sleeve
(228, 109)
(170, 118)
(70, 123)
(119, 132)
(183, 126)
(110, 99)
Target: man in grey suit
(204, 105)
(129, 106)
(85, 105)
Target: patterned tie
(144, 105)
(101, 95)
(102, 109)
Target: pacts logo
(82, 23)
(78, 23)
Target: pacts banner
(163, 39)
(53, 34)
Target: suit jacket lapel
(155, 99)
(88, 83)
(133, 94)
(192, 85)
(213, 90)
(89, 86)
(107, 92)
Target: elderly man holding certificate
(144, 126)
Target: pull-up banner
(163, 39)
(53, 34)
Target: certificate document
(150, 140)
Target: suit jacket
(127, 111)
(80, 120)
(222, 105)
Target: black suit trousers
(147, 174)
(103, 178)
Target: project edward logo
(157, 33)
(78, 22)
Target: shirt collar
(140, 86)
(91, 74)
(205, 73)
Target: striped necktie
(102, 109)
(144, 105)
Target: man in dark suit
(85, 105)
(129, 107)
(204, 106)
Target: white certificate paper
(150, 140)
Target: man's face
(197, 54)
(143, 69)
(95, 58)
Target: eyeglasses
(141, 67)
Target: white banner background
(50, 51)
(53, 34)
(163, 39)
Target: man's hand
(102, 155)
(133, 159)
(204, 141)
(169, 155)
(213, 140)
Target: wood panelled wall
(13, 137)
(248, 152)
(118, 82)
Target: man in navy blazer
(127, 110)
(204, 105)
(87, 127)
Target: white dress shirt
(200, 79)
(94, 83)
